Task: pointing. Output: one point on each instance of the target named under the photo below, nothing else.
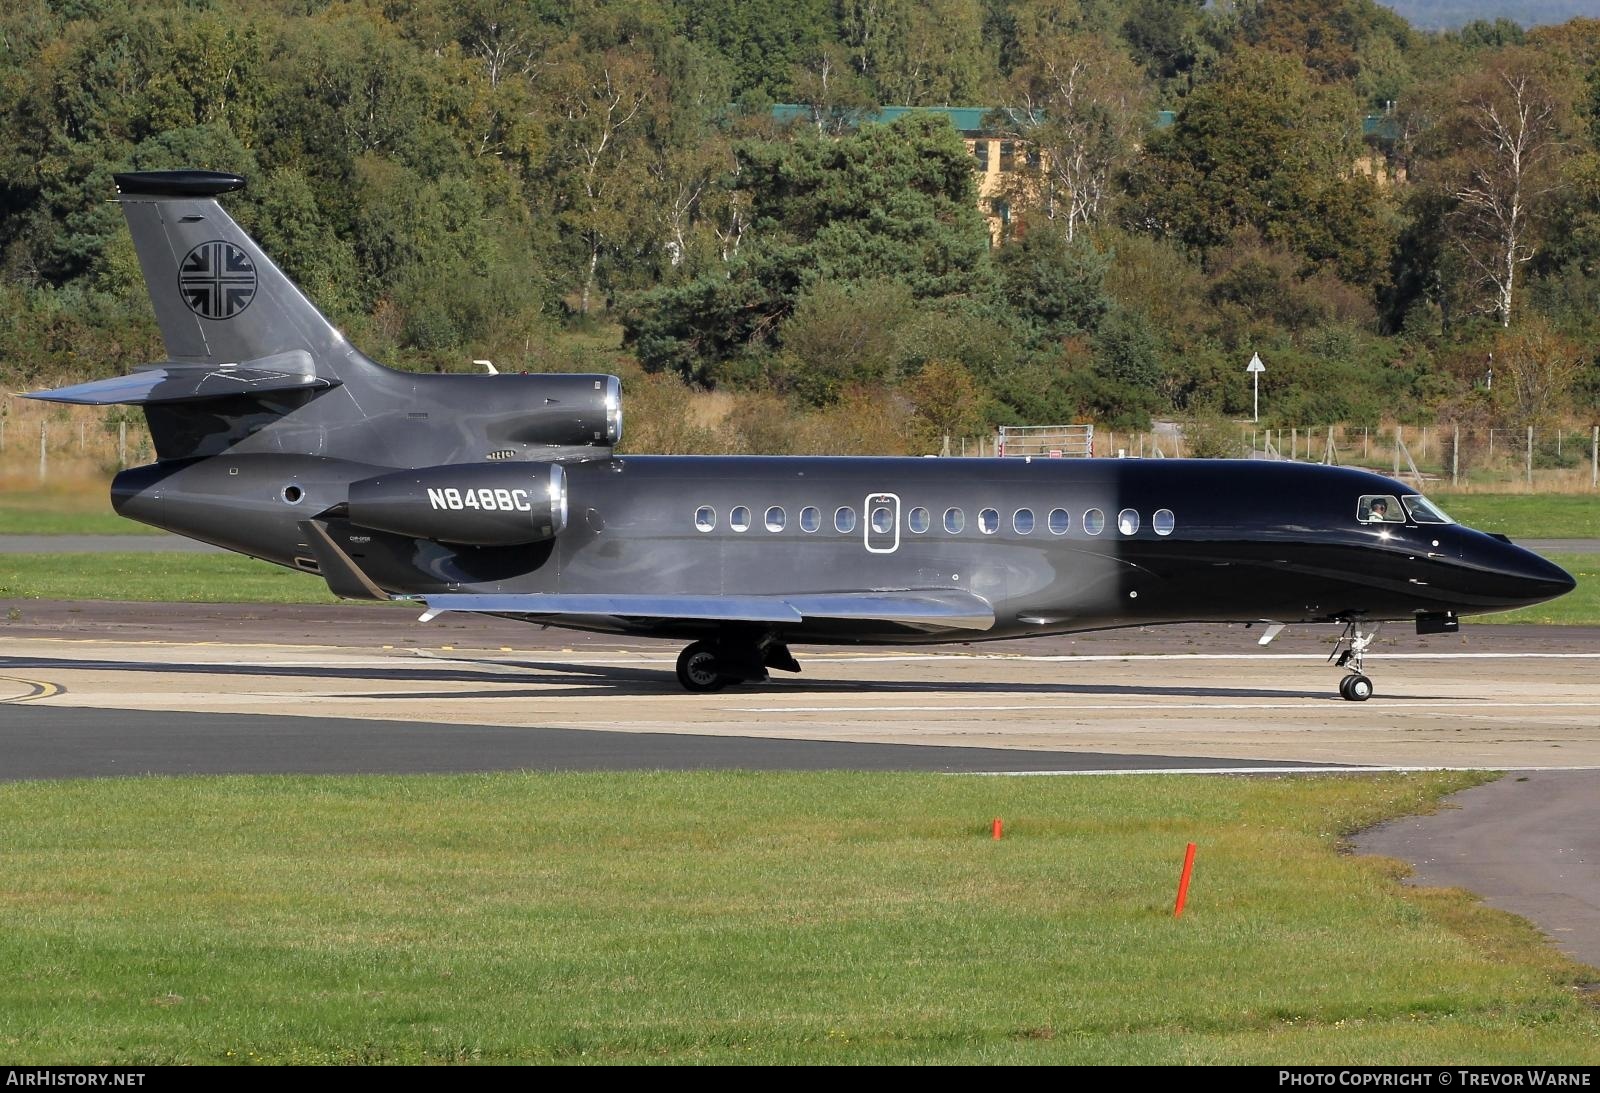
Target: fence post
(1491, 443)
(1594, 458)
(1455, 458)
(1424, 442)
(1530, 457)
(122, 444)
(1366, 442)
(1397, 429)
(44, 433)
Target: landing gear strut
(1349, 652)
(709, 666)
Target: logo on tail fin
(217, 280)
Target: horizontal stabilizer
(933, 610)
(171, 382)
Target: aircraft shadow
(587, 680)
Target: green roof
(969, 119)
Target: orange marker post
(998, 827)
(1183, 881)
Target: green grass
(183, 578)
(1580, 607)
(78, 511)
(835, 918)
(1527, 515)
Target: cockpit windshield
(1378, 508)
(1424, 511)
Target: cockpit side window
(1380, 508)
(1424, 511)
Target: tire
(1357, 688)
(698, 669)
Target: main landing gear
(1349, 652)
(709, 666)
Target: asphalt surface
(42, 742)
(1528, 843)
(105, 689)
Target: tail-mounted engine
(475, 504)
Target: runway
(98, 689)
(1493, 697)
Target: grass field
(1527, 515)
(81, 509)
(760, 918)
(158, 576)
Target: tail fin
(255, 368)
(218, 299)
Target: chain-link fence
(1557, 458)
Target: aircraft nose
(1538, 579)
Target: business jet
(503, 494)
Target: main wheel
(1355, 688)
(699, 671)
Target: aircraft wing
(931, 610)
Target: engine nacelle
(547, 409)
(477, 504)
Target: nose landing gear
(1349, 652)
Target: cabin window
(1094, 522)
(882, 520)
(1163, 521)
(776, 518)
(917, 520)
(705, 518)
(954, 521)
(844, 519)
(810, 519)
(1060, 521)
(988, 521)
(739, 518)
(1022, 521)
(1128, 521)
(1424, 511)
(1379, 508)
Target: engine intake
(475, 504)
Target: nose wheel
(1356, 688)
(1350, 652)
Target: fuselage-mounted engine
(474, 504)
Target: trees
(1080, 105)
(1497, 154)
(888, 201)
(1261, 147)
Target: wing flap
(932, 610)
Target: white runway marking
(1467, 704)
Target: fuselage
(1054, 545)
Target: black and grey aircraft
(503, 494)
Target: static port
(293, 495)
